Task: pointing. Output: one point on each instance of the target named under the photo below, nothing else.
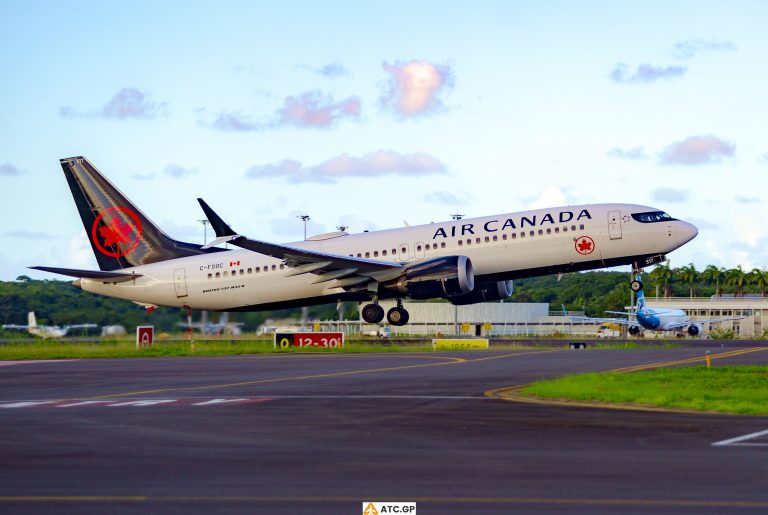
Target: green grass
(127, 349)
(729, 389)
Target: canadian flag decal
(234, 263)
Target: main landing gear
(373, 313)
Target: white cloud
(697, 150)
(177, 171)
(632, 154)
(690, 47)
(310, 110)
(415, 87)
(670, 195)
(29, 235)
(80, 252)
(645, 73)
(331, 70)
(126, 104)
(552, 196)
(458, 198)
(9, 170)
(375, 164)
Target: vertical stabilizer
(31, 320)
(120, 234)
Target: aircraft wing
(81, 326)
(15, 326)
(717, 320)
(346, 270)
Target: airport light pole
(205, 230)
(456, 216)
(304, 218)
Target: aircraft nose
(687, 231)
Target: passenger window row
(244, 271)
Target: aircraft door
(180, 282)
(614, 225)
(418, 250)
(402, 252)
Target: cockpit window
(652, 217)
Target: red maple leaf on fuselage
(584, 246)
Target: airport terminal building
(540, 319)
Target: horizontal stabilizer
(107, 277)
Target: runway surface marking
(512, 393)
(530, 501)
(743, 441)
(450, 361)
(34, 362)
(210, 401)
(134, 403)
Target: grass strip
(739, 389)
(127, 349)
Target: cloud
(315, 109)
(292, 226)
(702, 224)
(670, 195)
(414, 87)
(551, 196)
(741, 199)
(697, 150)
(644, 73)
(79, 252)
(172, 170)
(312, 109)
(447, 197)
(9, 170)
(331, 70)
(375, 164)
(29, 235)
(690, 47)
(762, 159)
(128, 103)
(632, 154)
(177, 171)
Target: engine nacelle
(485, 292)
(446, 277)
(634, 330)
(694, 329)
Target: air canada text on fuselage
(521, 221)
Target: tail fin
(640, 299)
(120, 234)
(31, 320)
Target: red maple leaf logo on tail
(116, 232)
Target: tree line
(58, 303)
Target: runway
(321, 433)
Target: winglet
(219, 227)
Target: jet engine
(447, 276)
(694, 329)
(635, 330)
(485, 292)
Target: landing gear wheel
(397, 316)
(636, 286)
(373, 313)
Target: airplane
(655, 319)
(223, 326)
(464, 261)
(46, 331)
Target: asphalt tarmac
(322, 433)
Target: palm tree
(737, 278)
(713, 274)
(689, 274)
(662, 274)
(758, 278)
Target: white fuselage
(500, 247)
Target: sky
(372, 114)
